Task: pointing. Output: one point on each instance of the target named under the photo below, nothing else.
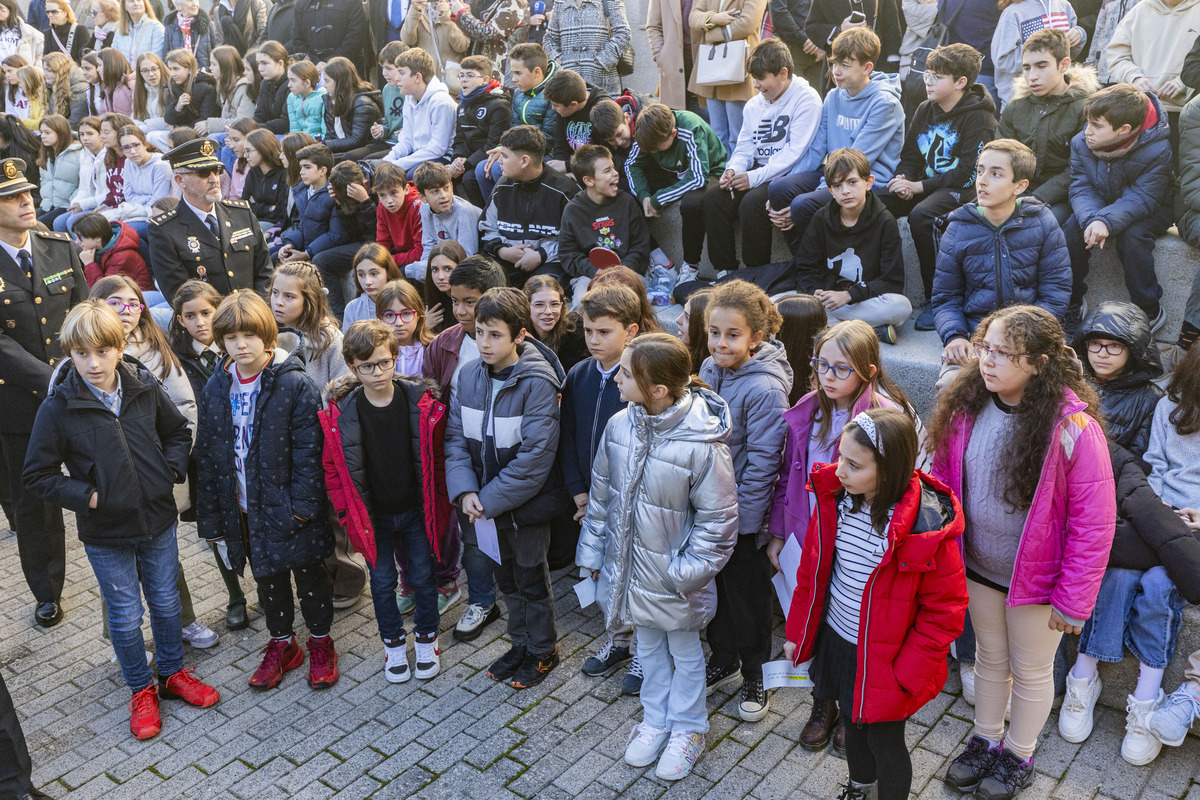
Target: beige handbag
(722, 64)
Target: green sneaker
(406, 599)
(448, 595)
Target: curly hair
(751, 302)
(1036, 334)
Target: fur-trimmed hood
(1082, 81)
(340, 387)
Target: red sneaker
(278, 658)
(144, 719)
(322, 663)
(185, 686)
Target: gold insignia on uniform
(10, 169)
(206, 148)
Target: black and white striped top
(858, 550)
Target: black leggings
(876, 751)
(316, 600)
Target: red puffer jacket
(345, 460)
(913, 604)
(121, 257)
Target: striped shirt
(858, 550)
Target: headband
(867, 426)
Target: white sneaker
(149, 658)
(395, 664)
(200, 636)
(687, 272)
(966, 673)
(1140, 746)
(1075, 718)
(427, 653)
(680, 756)
(645, 744)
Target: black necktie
(26, 263)
(209, 358)
(212, 226)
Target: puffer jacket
(365, 111)
(204, 104)
(757, 394)
(1127, 400)
(1047, 125)
(346, 467)
(121, 256)
(271, 108)
(914, 602)
(532, 108)
(482, 118)
(132, 460)
(314, 224)
(234, 107)
(286, 521)
(1069, 529)
(1149, 533)
(204, 37)
(792, 507)
(981, 268)
(60, 178)
(1189, 173)
(1135, 186)
(524, 416)
(662, 513)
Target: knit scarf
(1119, 147)
(185, 25)
(465, 98)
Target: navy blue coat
(285, 479)
(314, 226)
(1134, 187)
(981, 268)
(589, 400)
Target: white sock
(1085, 668)
(1149, 683)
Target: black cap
(196, 155)
(12, 178)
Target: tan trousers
(1014, 652)
(1193, 669)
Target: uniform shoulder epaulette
(229, 201)
(166, 215)
(57, 235)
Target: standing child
(692, 331)
(1038, 527)
(393, 508)
(876, 629)
(554, 323)
(660, 553)
(504, 472)
(373, 268)
(102, 409)
(751, 372)
(298, 301)
(305, 103)
(400, 307)
(258, 412)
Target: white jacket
(775, 135)
(428, 130)
(91, 190)
(30, 46)
(1151, 42)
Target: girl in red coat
(110, 248)
(880, 594)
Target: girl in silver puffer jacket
(661, 522)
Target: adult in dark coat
(281, 22)
(15, 767)
(244, 27)
(204, 37)
(328, 28)
(40, 279)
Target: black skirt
(834, 669)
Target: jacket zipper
(133, 475)
(813, 601)
(596, 415)
(999, 282)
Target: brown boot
(820, 724)
(839, 738)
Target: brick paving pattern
(457, 736)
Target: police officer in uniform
(205, 237)
(40, 279)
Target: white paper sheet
(485, 535)
(782, 593)
(785, 581)
(782, 675)
(585, 590)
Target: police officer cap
(12, 178)
(195, 156)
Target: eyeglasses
(840, 371)
(121, 307)
(553, 305)
(129, 148)
(469, 76)
(931, 78)
(149, 70)
(999, 357)
(406, 316)
(367, 370)
(1112, 349)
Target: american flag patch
(1057, 20)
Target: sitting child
(313, 225)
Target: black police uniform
(183, 247)
(33, 304)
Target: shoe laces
(978, 756)
(1074, 700)
(645, 733)
(635, 667)
(851, 792)
(474, 614)
(753, 692)
(1136, 718)
(185, 677)
(1012, 772)
(823, 713)
(713, 672)
(319, 654)
(273, 653)
(684, 744)
(605, 651)
(1183, 706)
(143, 702)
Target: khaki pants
(1014, 652)
(1193, 668)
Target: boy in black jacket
(937, 164)
(573, 100)
(484, 113)
(851, 257)
(125, 446)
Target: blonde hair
(859, 344)
(126, 22)
(187, 60)
(92, 324)
(659, 359)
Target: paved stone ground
(459, 735)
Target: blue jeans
(725, 117)
(117, 570)
(403, 536)
(673, 686)
(1138, 610)
(481, 586)
(63, 223)
(803, 193)
(486, 180)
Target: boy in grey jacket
(500, 471)
(444, 216)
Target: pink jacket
(792, 507)
(1064, 548)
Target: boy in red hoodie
(398, 218)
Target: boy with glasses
(484, 113)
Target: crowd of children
(460, 268)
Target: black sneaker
(755, 702)
(1008, 777)
(608, 660)
(851, 791)
(722, 677)
(534, 669)
(506, 665)
(925, 319)
(972, 765)
(886, 334)
(632, 682)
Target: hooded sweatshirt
(144, 185)
(1017, 22)
(866, 260)
(574, 131)
(428, 127)
(780, 132)
(942, 146)
(1151, 42)
(617, 224)
(871, 121)
(483, 116)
